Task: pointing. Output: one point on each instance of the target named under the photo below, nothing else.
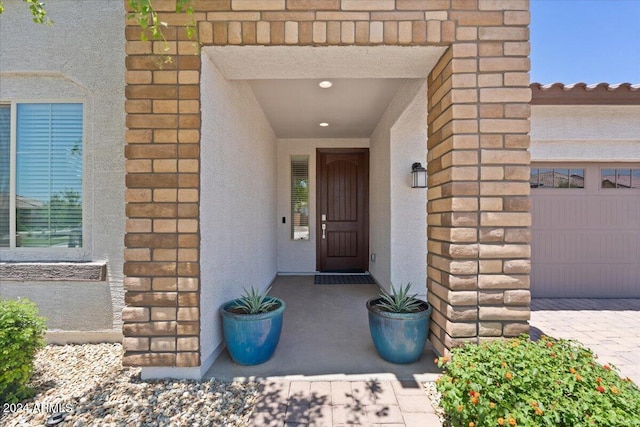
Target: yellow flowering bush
(548, 382)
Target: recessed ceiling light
(324, 124)
(325, 84)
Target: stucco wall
(408, 205)
(300, 256)
(238, 199)
(398, 217)
(54, 64)
(585, 133)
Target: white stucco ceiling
(285, 81)
(351, 107)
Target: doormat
(343, 279)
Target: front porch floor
(325, 337)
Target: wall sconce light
(419, 175)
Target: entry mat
(343, 279)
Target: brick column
(162, 317)
(478, 163)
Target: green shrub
(525, 383)
(21, 336)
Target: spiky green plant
(253, 302)
(399, 301)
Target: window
(41, 175)
(556, 178)
(300, 198)
(620, 178)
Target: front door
(343, 210)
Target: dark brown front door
(343, 210)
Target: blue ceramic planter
(252, 338)
(398, 337)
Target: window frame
(616, 189)
(292, 158)
(13, 253)
(565, 165)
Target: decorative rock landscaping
(88, 384)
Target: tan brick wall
(478, 163)
(478, 211)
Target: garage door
(586, 230)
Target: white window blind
(47, 176)
(299, 198)
(5, 174)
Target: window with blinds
(5, 174)
(299, 198)
(44, 206)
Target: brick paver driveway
(609, 327)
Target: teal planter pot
(399, 337)
(252, 338)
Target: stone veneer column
(162, 316)
(478, 161)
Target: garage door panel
(580, 247)
(579, 213)
(585, 242)
(585, 281)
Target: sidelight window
(299, 198)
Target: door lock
(324, 231)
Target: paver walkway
(343, 403)
(609, 327)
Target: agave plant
(399, 301)
(253, 302)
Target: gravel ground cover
(89, 384)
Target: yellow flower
(512, 421)
(508, 375)
(459, 408)
(500, 421)
(472, 424)
(492, 405)
(573, 371)
(538, 411)
(614, 390)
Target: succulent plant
(253, 302)
(399, 300)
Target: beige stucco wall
(398, 233)
(57, 63)
(238, 200)
(585, 133)
(408, 205)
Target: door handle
(324, 231)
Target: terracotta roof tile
(585, 94)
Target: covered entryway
(208, 163)
(294, 197)
(586, 230)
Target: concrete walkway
(609, 327)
